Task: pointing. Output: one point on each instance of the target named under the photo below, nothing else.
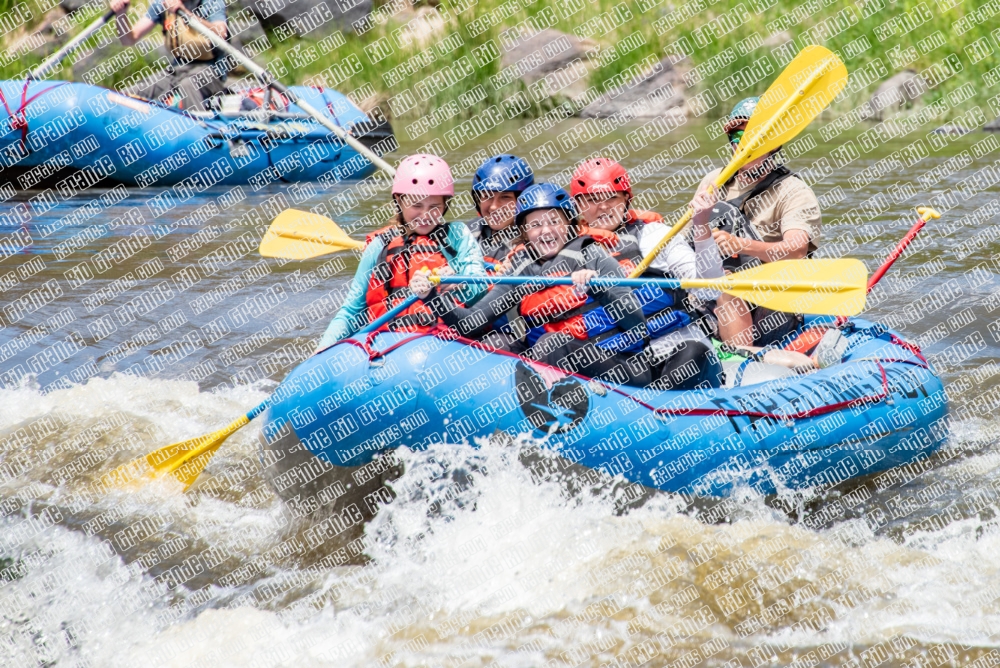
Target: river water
(125, 331)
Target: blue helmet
(503, 173)
(545, 196)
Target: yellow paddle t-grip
(927, 213)
(433, 278)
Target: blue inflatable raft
(70, 136)
(334, 422)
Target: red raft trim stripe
(18, 120)
(912, 347)
(448, 334)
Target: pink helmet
(423, 174)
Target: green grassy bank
(456, 74)
(724, 41)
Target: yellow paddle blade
(805, 88)
(185, 460)
(300, 235)
(819, 287)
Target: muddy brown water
(125, 331)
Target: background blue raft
(72, 135)
(339, 411)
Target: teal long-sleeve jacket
(352, 316)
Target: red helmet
(600, 175)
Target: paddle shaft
(377, 323)
(896, 253)
(738, 160)
(186, 460)
(808, 339)
(215, 440)
(893, 256)
(560, 280)
(70, 46)
(732, 282)
(265, 78)
(370, 327)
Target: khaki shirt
(789, 205)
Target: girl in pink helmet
(418, 237)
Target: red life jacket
(559, 308)
(386, 233)
(623, 244)
(400, 258)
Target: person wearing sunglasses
(763, 214)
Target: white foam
(504, 565)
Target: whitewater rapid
(475, 561)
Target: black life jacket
(560, 308)
(624, 246)
(496, 246)
(730, 216)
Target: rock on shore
(656, 92)
(900, 90)
(562, 60)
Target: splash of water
(476, 560)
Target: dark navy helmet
(545, 196)
(501, 174)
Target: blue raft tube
(334, 422)
(70, 136)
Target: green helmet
(741, 113)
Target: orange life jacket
(623, 244)
(400, 258)
(643, 216)
(559, 308)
